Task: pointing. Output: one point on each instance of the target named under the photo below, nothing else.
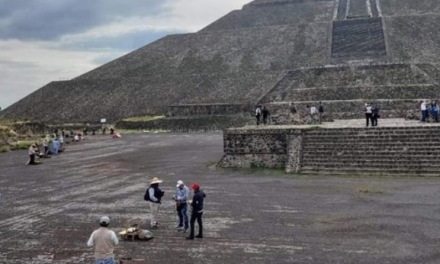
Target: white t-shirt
(313, 110)
(423, 107)
(369, 109)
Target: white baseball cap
(104, 220)
(179, 183)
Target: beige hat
(156, 180)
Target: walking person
(320, 112)
(197, 211)
(265, 114)
(181, 197)
(104, 240)
(154, 196)
(375, 115)
(369, 114)
(258, 114)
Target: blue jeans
(182, 212)
(105, 261)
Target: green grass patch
(25, 144)
(5, 149)
(143, 118)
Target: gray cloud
(50, 19)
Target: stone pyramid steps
(390, 150)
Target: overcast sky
(50, 40)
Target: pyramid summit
(341, 52)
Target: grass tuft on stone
(143, 118)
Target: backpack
(147, 195)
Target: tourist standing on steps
(320, 112)
(434, 111)
(104, 241)
(154, 196)
(181, 197)
(293, 109)
(265, 114)
(375, 115)
(258, 114)
(369, 114)
(197, 211)
(423, 110)
(313, 113)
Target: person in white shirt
(258, 114)
(424, 111)
(369, 113)
(104, 240)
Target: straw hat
(156, 180)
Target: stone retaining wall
(262, 148)
(189, 124)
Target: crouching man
(104, 241)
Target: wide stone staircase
(412, 150)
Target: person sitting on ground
(32, 154)
(104, 240)
(265, 114)
(117, 135)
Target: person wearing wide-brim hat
(154, 196)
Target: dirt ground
(48, 212)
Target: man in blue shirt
(181, 198)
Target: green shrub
(24, 144)
(5, 149)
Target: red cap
(195, 186)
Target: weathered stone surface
(384, 150)
(271, 51)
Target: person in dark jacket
(265, 114)
(320, 112)
(154, 196)
(375, 115)
(197, 211)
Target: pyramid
(341, 52)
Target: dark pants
(32, 160)
(435, 116)
(369, 117)
(182, 212)
(197, 216)
(258, 119)
(46, 150)
(265, 120)
(424, 115)
(374, 120)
